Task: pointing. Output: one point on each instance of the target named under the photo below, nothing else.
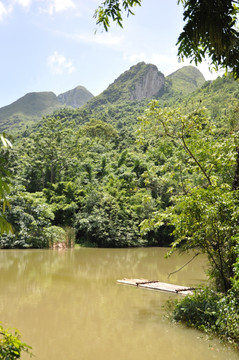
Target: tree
(29, 216)
(207, 220)
(4, 183)
(210, 29)
(203, 207)
(98, 129)
(47, 155)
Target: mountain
(76, 97)
(28, 108)
(32, 106)
(186, 80)
(143, 81)
(139, 82)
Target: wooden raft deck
(157, 285)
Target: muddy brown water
(68, 305)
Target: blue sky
(51, 45)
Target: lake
(68, 305)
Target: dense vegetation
(104, 173)
(109, 180)
(86, 177)
(182, 177)
(214, 313)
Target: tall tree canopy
(210, 29)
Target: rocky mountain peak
(148, 83)
(139, 82)
(76, 97)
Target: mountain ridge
(32, 106)
(141, 81)
(146, 81)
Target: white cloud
(55, 6)
(24, 3)
(7, 9)
(45, 6)
(59, 64)
(106, 39)
(4, 10)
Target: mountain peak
(76, 97)
(142, 81)
(139, 82)
(187, 79)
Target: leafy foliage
(113, 9)
(208, 220)
(51, 150)
(11, 346)
(29, 216)
(204, 206)
(211, 312)
(211, 30)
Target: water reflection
(68, 305)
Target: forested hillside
(103, 171)
(30, 108)
(140, 82)
(140, 172)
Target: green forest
(114, 175)
(121, 173)
(152, 161)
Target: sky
(55, 45)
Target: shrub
(211, 312)
(11, 346)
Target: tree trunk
(235, 184)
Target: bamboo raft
(157, 285)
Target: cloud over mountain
(59, 64)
